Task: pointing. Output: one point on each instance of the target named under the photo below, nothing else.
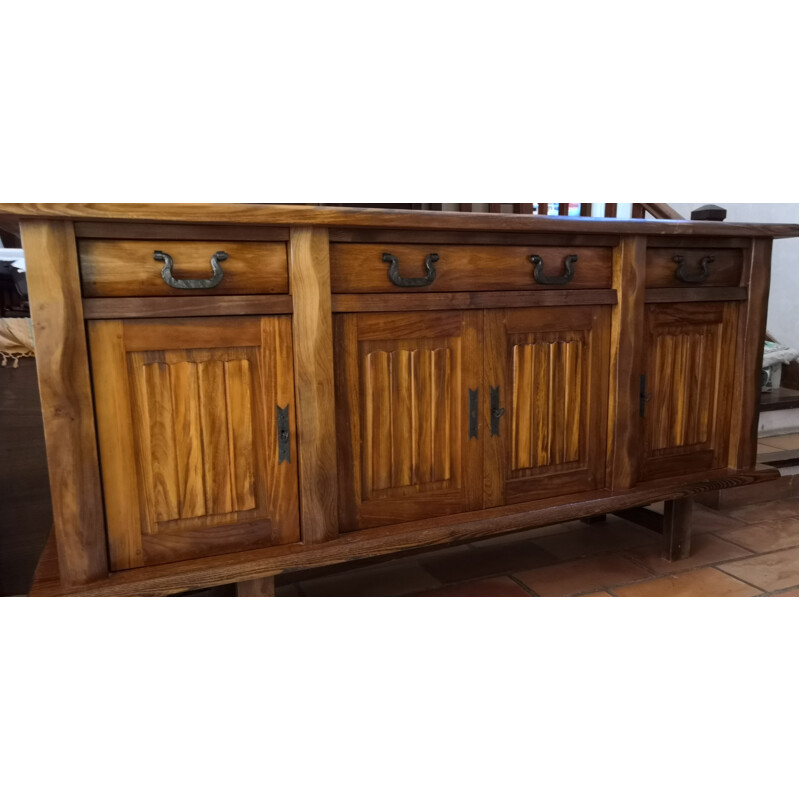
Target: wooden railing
(638, 210)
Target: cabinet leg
(260, 587)
(677, 529)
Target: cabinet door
(547, 376)
(686, 403)
(403, 384)
(189, 415)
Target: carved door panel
(547, 373)
(195, 421)
(407, 392)
(686, 403)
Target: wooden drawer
(127, 268)
(699, 266)
(474, 268)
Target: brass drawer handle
(209, 283)
(394, 272)
(558, 280)
(684, 276)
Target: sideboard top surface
(300, 215)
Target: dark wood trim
(208, 306)
(465, 208)
(523, 208)
(637, 212)
(586, 209)
(151, 230)
(689, 295)
(319, 216)
(542, 209)
(252, 564)
(563, 209)
(611, 211)
(495, 208)
(465, 300)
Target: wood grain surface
(65, 389)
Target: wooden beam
(627, 333)
(323, 217)
(67, 408)
(312, 333)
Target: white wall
(782, 317)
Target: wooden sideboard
(231, 392)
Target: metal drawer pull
(558, 280)
(701, 277)
(209, 283)
(394, 272)
(495, 411)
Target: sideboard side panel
(752, 329)
(312, 331)
(67, 409)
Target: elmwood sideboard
(235, 391)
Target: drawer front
(685, 267)
(122, 268)
(473, 268)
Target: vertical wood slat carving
(689, 367)
(407, 418)
(548, 378)
(195, 423)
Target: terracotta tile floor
(740, 552)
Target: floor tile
(765, 512)
(769, 571)
(488, 587)
(705, 582)
(706, 549)
(788, 441)
(474, 562)
(581, 539)
(765, 536)
(387, 580)
(763, 448)
(707, 520)
(584, 575)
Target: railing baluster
(586, 209)
(543, 207)
(563, 209)
(611, 210)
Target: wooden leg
(597, 518)
(677, 529)
(260, 587)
